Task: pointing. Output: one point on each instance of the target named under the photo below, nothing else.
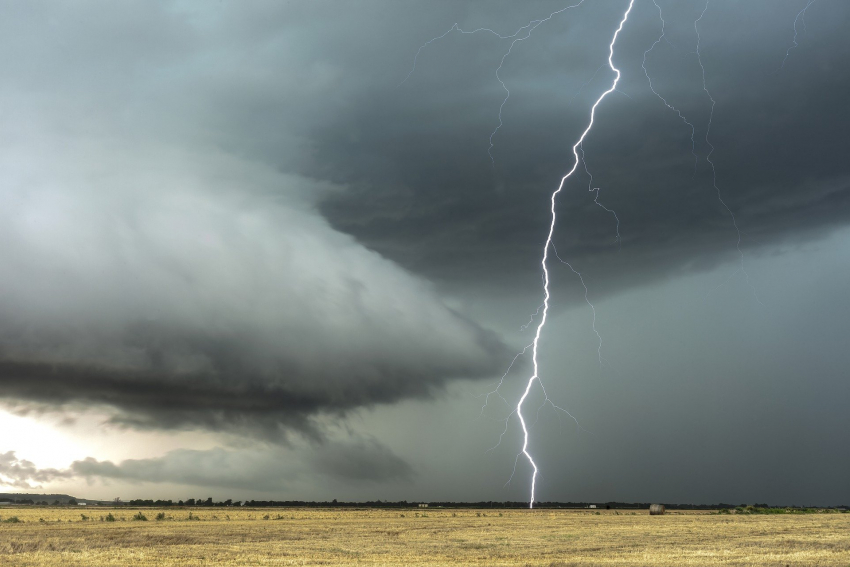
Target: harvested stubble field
(238, 536)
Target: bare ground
(236, 536)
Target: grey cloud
(271, 469)
(149, 265)
(213, 468)
(276, 469)
(186, 296)
(225, 216)
(428, 196)
(21, 473)
(364, 460)
(311, 89)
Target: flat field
(551, 538)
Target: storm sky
(250, 251)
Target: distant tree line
(193, 502)
(455, 505)
(30, 501)
(499, 504)
(189, 502)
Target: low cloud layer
(194, 290)
(24, 474)
(271, 469)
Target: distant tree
(209, 502)
(190, 502)
(72, 502)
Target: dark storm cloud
(176, 177)
(148, 270)
(364, 460)
(186, 309)
(422, 189)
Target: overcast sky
(284, 250)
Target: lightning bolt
(652, 88)
(522, 34)
(801, 16)
(586, 291)
(708, 143)
(535, 344)
(526, 30)
(531, 26)
(593, 189)
(711, 163)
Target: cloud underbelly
(207, 292)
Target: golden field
(551, 538)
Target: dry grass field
(236, 536)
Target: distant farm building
(592, 506)
(656, 509)
(423, 505)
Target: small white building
(592, 506)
